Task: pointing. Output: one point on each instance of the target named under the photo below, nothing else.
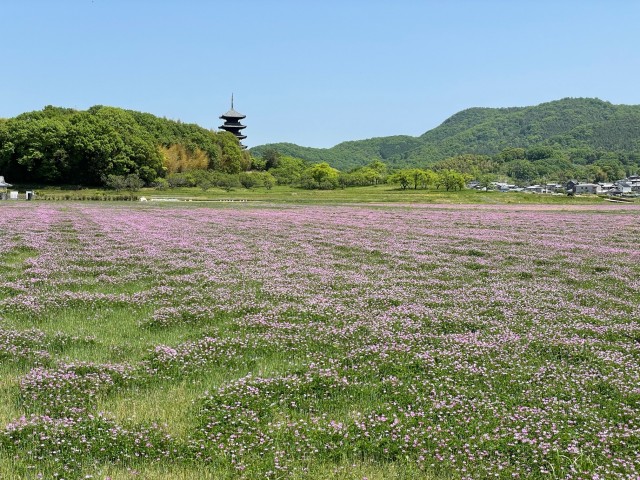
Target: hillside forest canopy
(582, 138)
(66, 146)
(585, 139)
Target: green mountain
(570, 123)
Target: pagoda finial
(232, 101)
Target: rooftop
(232, 114)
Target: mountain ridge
(568, 123)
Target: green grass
(13, 265)
(371, 194)
(174, 404)
(9, 381)
(342, 471)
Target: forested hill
(62, 145)
(570, 123)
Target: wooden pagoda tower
(232, 123)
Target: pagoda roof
(232, 114)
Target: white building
(587, 188)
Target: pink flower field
(272, 341)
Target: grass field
(372, 194)
(289, 340)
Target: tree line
(523, 166)
(125, 150)
(287, 170)
(67, 146)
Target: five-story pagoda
(232, 123)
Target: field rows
(263, 341)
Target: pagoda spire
(232, 123)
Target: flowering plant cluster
(77, 442)
(23, 345)
(71, 387)
(292, 341)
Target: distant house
(571, 186)
(546, 188)
(503, 187)
(587, 188)
(634, 181)
(577, 188)
(621, 187)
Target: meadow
(273, 340)
(287, 194)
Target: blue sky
(316, 73)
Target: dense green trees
(538, 164)
(417, 178)
(541, 163)
(65, 146)
(229, 158)
(401, 177)
(130, 182)
(288, 170)
(375, 173)
(452, 180)
(319, 176)
(469, 164)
